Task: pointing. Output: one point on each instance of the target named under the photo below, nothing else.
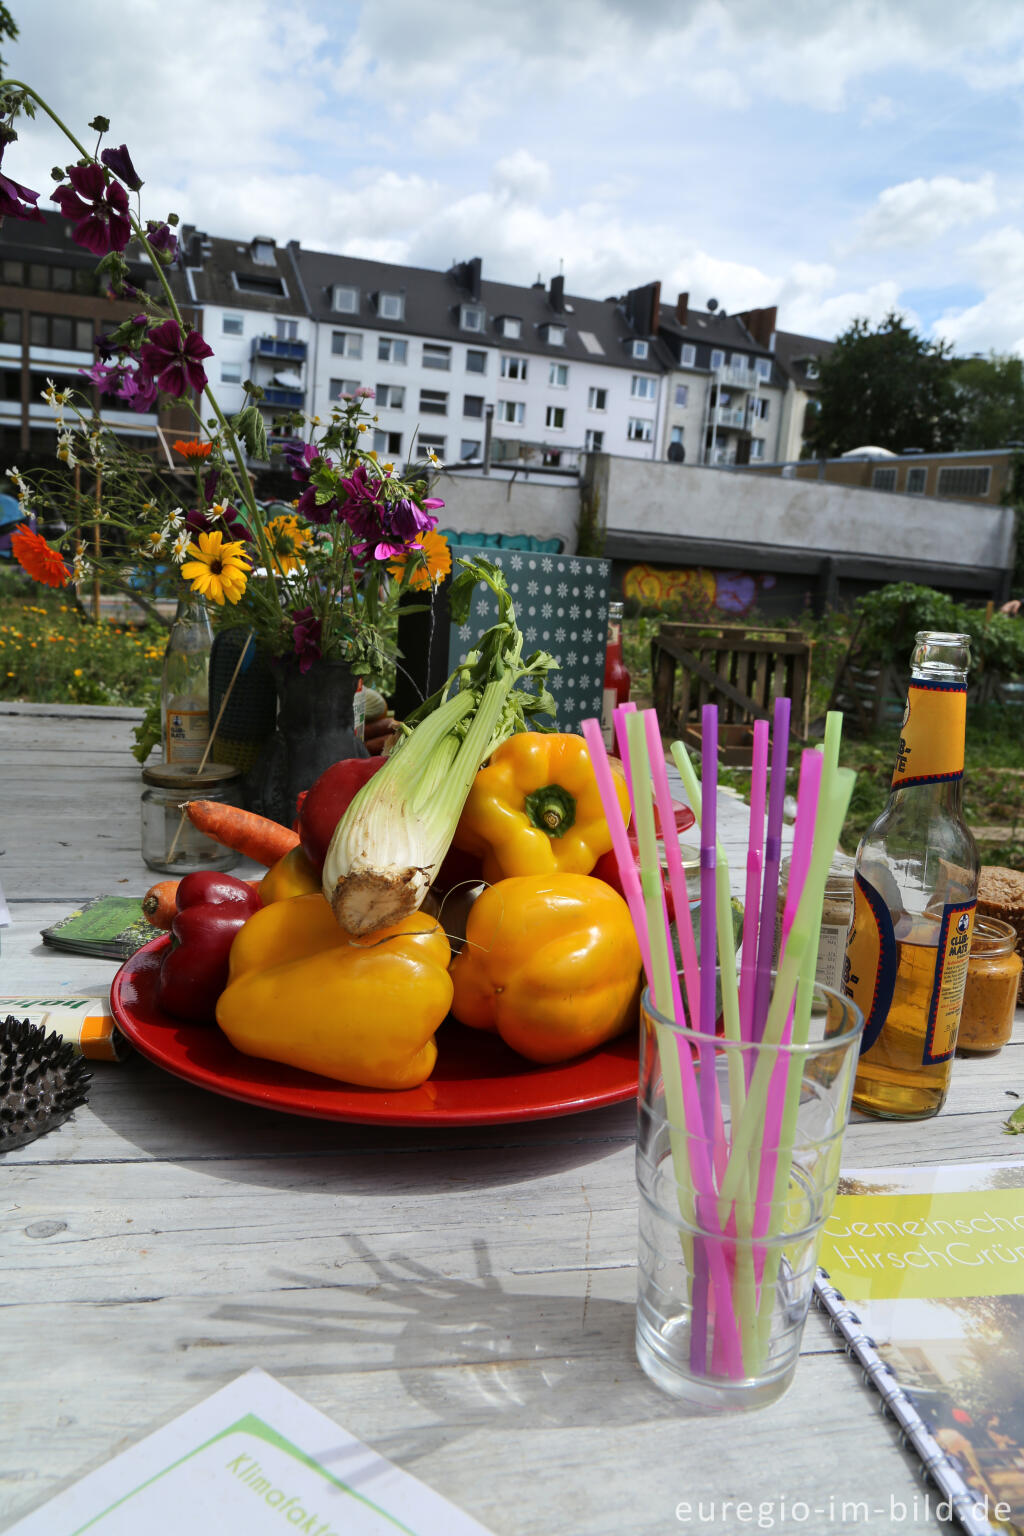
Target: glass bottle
(185, 688)
(616, 677)
(915, 890)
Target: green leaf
(1014, 1125)
(248, 425)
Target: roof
(792, 349)
(433, 301)
(226, 272)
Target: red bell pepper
(326, 802)
(211, 910)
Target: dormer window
(471, 317)
(263, 253)
(640, 349)
(554, 335)
(510, 327)
(811, 368)
(344, 300)
(391, 306)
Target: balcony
(729, 416)
(270, 346)
(746, 378)
(287, 399)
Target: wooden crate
(740, 669)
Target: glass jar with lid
(170, 843)
(836, 916)
(990, 993)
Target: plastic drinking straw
(772, 859)
(619, 723)
(689, 1150)
(674, 860)
(755, 864)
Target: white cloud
(521, 177)
(918, 212)
(995, 323)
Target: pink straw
(752, 894)
(628, 872)
(674, 860)
(772, 860)
(622, 741)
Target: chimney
(474, 267)
(556, 295)
(761, 325)
(642, 305)
(682, 307)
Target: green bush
(892, 616)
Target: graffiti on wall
(732, 592)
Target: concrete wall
(497, 503)
(740, 512)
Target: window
(390, 396)
(10, 326)
(513, 368)
(763, 368)
(340, 387)
(511, 327)
(811, 369)
(593, 441)
(759, 408)
(642, 387)
(682, 394)
(688, 356)
(964, 482)
(254, 282)
(232, 325)
(427, 440)
(286, 330)
(554, 335)
(884, 479)
(916, 480)
(676, 435)
(433, 402)
(13, 272)
(347, 343)
(473, 405)
(512, 411)
(471, 318)
(388, 442)
(597, 399)
(591, 343)
(436, 357)
(391, 306)
(263, 253)
(345, 300)
(38, 275)
(558, 375)
(231, 373)
(470, 448)
(391, 349)
(717, 359)
(476, 362)
(60, 279)
(640, 350)
(554, 418)
(60, 331)
(640, 430)
(757, 448)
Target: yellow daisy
(288, 539)
(217, 570)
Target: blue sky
(835, 160)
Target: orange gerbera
(193, 448)
(42, 563)
(433, 562)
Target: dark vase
(315, 728)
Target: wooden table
(462, 1301)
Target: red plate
(477, 1080)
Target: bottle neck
(930, 754)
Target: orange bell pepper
(292, 875)
(551, 964)
(535, 809)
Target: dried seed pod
(41, 1082)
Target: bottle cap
(184, 777)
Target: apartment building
(724, 391)
(53, 304)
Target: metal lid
(183, 776)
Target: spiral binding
(935, 1467)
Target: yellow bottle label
(869, 969)
(952, 954)
(931, 749)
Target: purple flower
(16, 201)
(301, 457)
(314, 512)
(160, 237)
(175, 360)
(120, 162)
(139, 389)
(306, 633)
(227, 519)
(407, 521)
(100, 207)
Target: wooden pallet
(740, 669)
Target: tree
(990, 396)
(888, 387)
(8, 29)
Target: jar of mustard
(990, 994)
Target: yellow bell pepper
(535, 809)
(551, 964)
(364, 1010)
(292, 875)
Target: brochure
(107, 928)
(252, 1460)
(922, 1272)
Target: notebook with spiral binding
(922, 1277)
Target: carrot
(158, 904)
(255, 837)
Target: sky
(835, 159)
